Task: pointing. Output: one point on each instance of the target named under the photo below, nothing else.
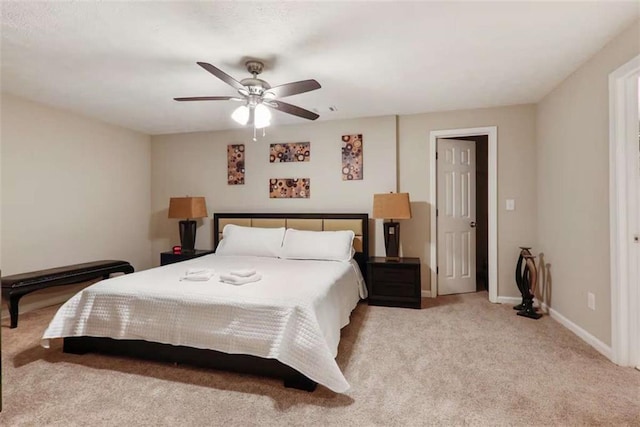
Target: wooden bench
(16, 286)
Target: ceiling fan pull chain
(254, 132)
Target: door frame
(624, 210)
(492, 134)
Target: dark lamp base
(392, 240)
(187, 235)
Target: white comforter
(293, 314)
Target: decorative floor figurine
(527, 279)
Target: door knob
(472, 224)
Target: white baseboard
(509, 300)
(426, 294)
(594, 342)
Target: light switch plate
(511, 205)
(591, 300)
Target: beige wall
(1, 190)
(573, 186)
(516, 180)
(73, 190)
(408, 136)
(195, 164)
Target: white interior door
(456, 216)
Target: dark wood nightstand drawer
(394, 283)
(393, 274)
(392, 289)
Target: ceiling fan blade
(294, 88)
(209, 98)
(292, 109)
(221, 75)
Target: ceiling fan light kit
(258, 96)
(262, 117)
(241, 115)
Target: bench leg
(13, 309)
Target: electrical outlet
(591, 300)
(511, 205)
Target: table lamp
(392, 206)
(187, 207)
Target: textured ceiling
(123, 62)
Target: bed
(286, 325)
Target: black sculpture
(527, 279)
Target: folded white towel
(198, 274)
(237, 280)
(198, 271)
(243, 272)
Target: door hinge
(437, 212)
(437, 270)
(436, 155)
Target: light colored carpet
(459, 361)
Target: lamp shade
(391, 206)
(187, 207)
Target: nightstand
(170, 257)
(394, 283)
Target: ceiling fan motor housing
(254, 86)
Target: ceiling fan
(257, 94)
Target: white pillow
(250, 241)
(320, 245)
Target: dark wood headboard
(358, 223)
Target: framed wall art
(352, 146)
(235, 164)
(290, 152)
(289, 188)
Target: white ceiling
(123, 62)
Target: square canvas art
(352, 157)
